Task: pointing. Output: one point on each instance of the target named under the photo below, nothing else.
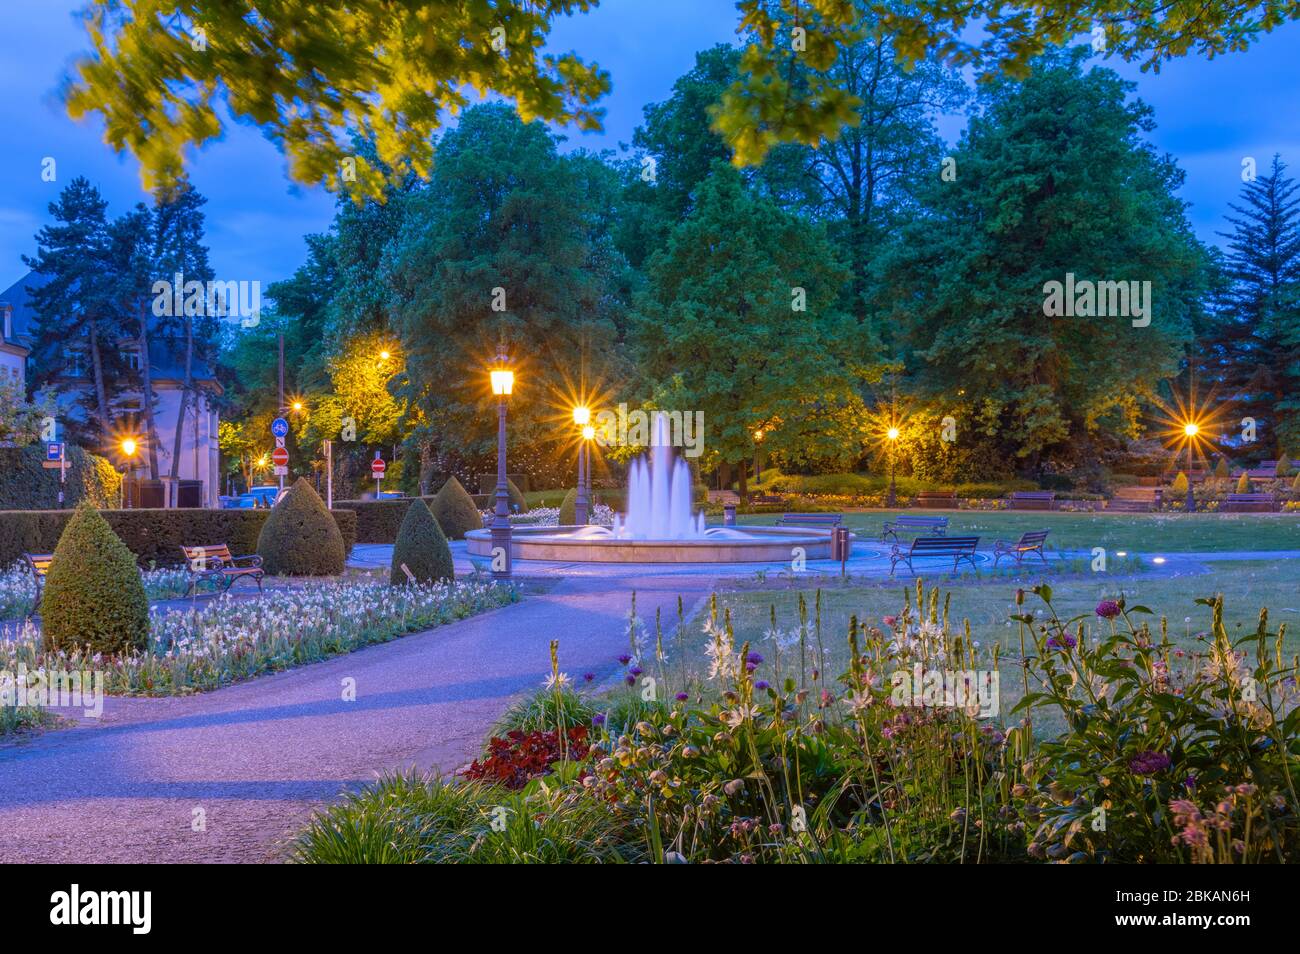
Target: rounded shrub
(1283, 466)
(1179, 486)
(456, 511)
(1243, 483)
(569, 508)
(300, 538)
(518, 503)
(422, 547)
(94, 598)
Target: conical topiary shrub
(518, 503)
(300, 538)
(1243, 483)
(1283, 466)
(455, 510)
(569, 508)
(94, 598)
(1221, 469)
(1179, 486)
(422, 547)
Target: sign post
(329, 474)
(280, 456)
(56, 457)
(377, 468)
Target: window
(74, 363)
(130, 358)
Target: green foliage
(1221, 470)
(849, 485)
(26, 485)
(1179, 487)
(456, 511)
(421, 547)
(94, 599)
(1243, 483)
(545, 710)
(569, 508)
(300, 538)
(518, 502)
(21, 420)
(1283, 466)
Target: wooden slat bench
(776, 499)
(38, 564)
(827, 520)
(959, 548)
(1029, 542)
(935, 526)
(936, 499)
(1033, 500)
(1249, 503)
(214, 564)
(1136, 500)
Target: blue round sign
(279, 427)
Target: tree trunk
(743, 487)
(101, 394)
(185, 399)
(146, 373)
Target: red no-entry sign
(377, 467)
(280, 457)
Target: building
(199, 457)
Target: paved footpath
(255, 758)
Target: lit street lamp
(503, 383)
(129, 449)
(758, 464)
(891, 499)
(582, 418)
(1190, 430)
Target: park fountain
(659, 526)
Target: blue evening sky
(1209, 114)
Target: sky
(1209, 115)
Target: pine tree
(1254, 341)
(133, 272)
(75, 304)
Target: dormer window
(74, 363)
(131, 358)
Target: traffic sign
(377, 466)
(280, 457)
(54, 450)
(281, 471)
(279, 427)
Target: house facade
(199, 459)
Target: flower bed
(1162, 755)
(18, 589)
(230, 639)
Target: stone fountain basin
(766, 545)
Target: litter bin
(729, 515)
(840, 544)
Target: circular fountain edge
(549, 544)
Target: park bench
(1249, 503)
(775, 499)
(38, 564)
(937, 526)
(936, 499)
(1029, 542)
(1136, 500)
(214, 564)
(1033, 500)
(959, 548)
(827, 520)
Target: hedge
(26, 485)
(154, 536)
(456, 511)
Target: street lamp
(503, 384)
(758, 464)
(588, 434)
(891, 500)
(129, 448)
(582, 418)
(1190, 430)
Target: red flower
(518, 757)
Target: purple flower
(1107, 609)
(681, 697)
(624, 659)
(754, 659)
(630, 679)
(636, 670)
(1064, 641)
(761, 685)
(588, 676)
(1149, 763)
(598, 719)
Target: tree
(22, 421)
(738, 320)
(163, 78)
(74, 304)
(180, 254)
(1253, 341)
(509, 240)
(975, 281)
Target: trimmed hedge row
(26, 485)
(152, 535)
(378, 521)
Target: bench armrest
(255, 559)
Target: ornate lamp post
(1190, 430)
(582, 418)
(503, 383)
(129, 449)
(758, 450)
(891, 499)
(588, 434)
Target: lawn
(1137, 532)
